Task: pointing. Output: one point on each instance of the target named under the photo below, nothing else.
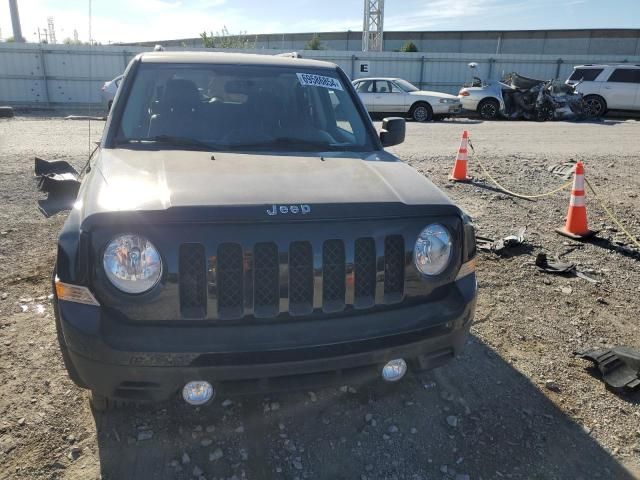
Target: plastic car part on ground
(60, 181)
(559, 267)
(619, 366)
(564, 170)
(499, 246)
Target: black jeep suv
(241, 228)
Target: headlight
(448, 100)
(433, 250)
(132, 264)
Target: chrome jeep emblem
(302, 209)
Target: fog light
(198, 392)
(394, 370)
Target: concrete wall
(535, 42)
(50, 76)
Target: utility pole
(15, 21)
(373, 26)
(52, 31)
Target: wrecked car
(518, 97)
(242, 229)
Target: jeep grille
(265, 282)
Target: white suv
(607, 87)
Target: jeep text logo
(286, 209)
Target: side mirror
(393, 131)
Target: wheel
(488, 109)
(594, 106)
(421, 112)
(6, 112)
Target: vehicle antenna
(90, 77)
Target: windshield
(406, 86)
(241, 107)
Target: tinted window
(625, 75)
(588, 74)
(241, 107)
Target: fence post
(353, 66)
(125, 57)
(559, 62)
(421, 71)
(491, 62)
(43, 66)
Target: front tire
(489, 109)
(421, 112)
(594, 106)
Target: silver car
(109, 90)
(484, 97)
(396, 96)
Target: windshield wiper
(288, 141)
(169, 140)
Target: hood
(427, 93)
(124, 180)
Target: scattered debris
(499, 246)
(619, 366)
(564, 170)
(452, 420)
(560, 267)
(551, 385)
(60, 181)
(74, 453)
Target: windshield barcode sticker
(319, 81)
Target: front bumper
(153, 361)
(446, 108)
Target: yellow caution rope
(611, 215)
(526, 197)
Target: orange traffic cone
(459, 172)
(576, 226)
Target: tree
(71, 41)
(223, 39)
(314, 43)
(409, 47)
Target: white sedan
(399, 97)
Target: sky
(140, 20)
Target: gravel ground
(515, 405)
